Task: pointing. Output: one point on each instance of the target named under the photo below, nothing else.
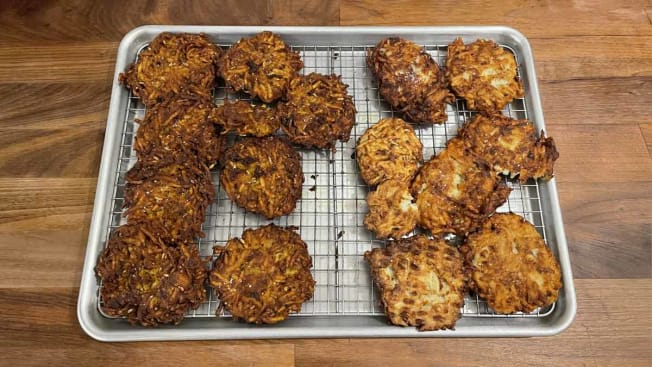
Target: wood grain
(54, 105)
(29, 338)
(50, 203)
(54, 256)
(608, 223)
(572, 58)
(88, 21)
(646, 130)
(605, 203)
(312, 12)
(622, 155)
(62, 61)
(74, 20)
(609, 246)
(252, 12)
(589, 341)
(594, 66)
(533, 18)
(592, 101)
(70, 152)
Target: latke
(169, 196)
(421, 282)
(148, 282)
(177, 125)
(389, 150)
(172, 65)
(483, 73)
(391, 210)
(264, 276)
(244, 118)
(317, 111)
(263, 175)
(261, 65)
(510, 146)
(510, 266)
(455, 192)
(410, 80)
(440, 215)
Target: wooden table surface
(594, 64)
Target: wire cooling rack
(333, 204)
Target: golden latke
(483, 73)
(410, 80)
(510, 266)
(182, 65)
(261, 65)
(391, 210)
(263, 175)
(147, 281)
(169, 196)
(510, 146)
(389, 150)
(421, 282)
(177, 125)
(317, 111)
(455, 192)
(244, 118)
(264, 276)
(441, 215)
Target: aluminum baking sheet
(331, 211)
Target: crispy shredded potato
(180, 125)
(510, 146)
(389, 150)
(455, 192)
(317, 111)
(421, 282)
(263, 175)
(261, 65)
(510, 266)
(148, 282)
(410, 80)
(483, 73)
(244, 118)
(391, 210)
(182, 65)
(169, 196)
(264, 276)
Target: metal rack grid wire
(333, 204)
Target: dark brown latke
(263, 175)
(148, 282)
(510, 266)
(177, 125)
(483, 73)
(244, 118)
(317, 111)
(261, 65)
(510, 146)
(264, 276)
(174, 65)
(410, 80)
(169, 196)
(421, 282)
